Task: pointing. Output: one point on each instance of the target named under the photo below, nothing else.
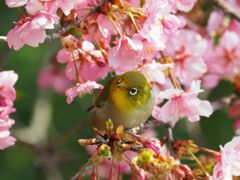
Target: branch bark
(227, 9)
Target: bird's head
(130, 91)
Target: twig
(142, 127)
(73, 130)
(171, 75)
(227, 9)
(174, 79)
(63, 30)
(199, 163)
(169, 140)
(169, 134)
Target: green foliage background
(20, 162)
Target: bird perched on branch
(127, 100)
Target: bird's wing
(100, 101)
(102, 96)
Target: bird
(127, 99)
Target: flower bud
(105, 151)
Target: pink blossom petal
(8, 78)
(31, 30)
(154, 71)
(185, 5)
(63, 56)
(125, 56)
(34, 6)
(230, 40)
(35, 37)
(105, 26)
(87, 46)
(15, 3)
(229, 165)
(215, 21)
(210, 81)
(81, 89)
(169, 94)
(181, 104)
(70, 70)
(93, 72)
(7, 81)
(5, 139)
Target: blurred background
(48, 128)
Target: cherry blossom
(105, 166)
(81, 89)
(229, 164)
(154, 32)
(35, 6)
(223, 59)
(7, 81)
(185, 5)
(6, 139)
(67, 5)
(105, 26)
(15, 3)
(125, 56)
(31, 30)
(154, 71)
(187, 50)
(89, 63)
(7, 96)
(234, 26)
(230, 45)
(215, 22)
(157, 37)
(182, 104)
(235, 4)
(92, 71)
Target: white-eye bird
(127, 100)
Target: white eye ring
(133, 91)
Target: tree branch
(227, 9)
(61, 31)
(169, 140)
(144, 126)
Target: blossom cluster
(100, 37)
(116, 37)
(229, 162)
(7, 96)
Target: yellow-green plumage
(126, 99)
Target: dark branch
(61, 31)
(227, 9)
(144, 126)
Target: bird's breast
(129, 119)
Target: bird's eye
(133, 91)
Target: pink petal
(81, 89)
(15, 3)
